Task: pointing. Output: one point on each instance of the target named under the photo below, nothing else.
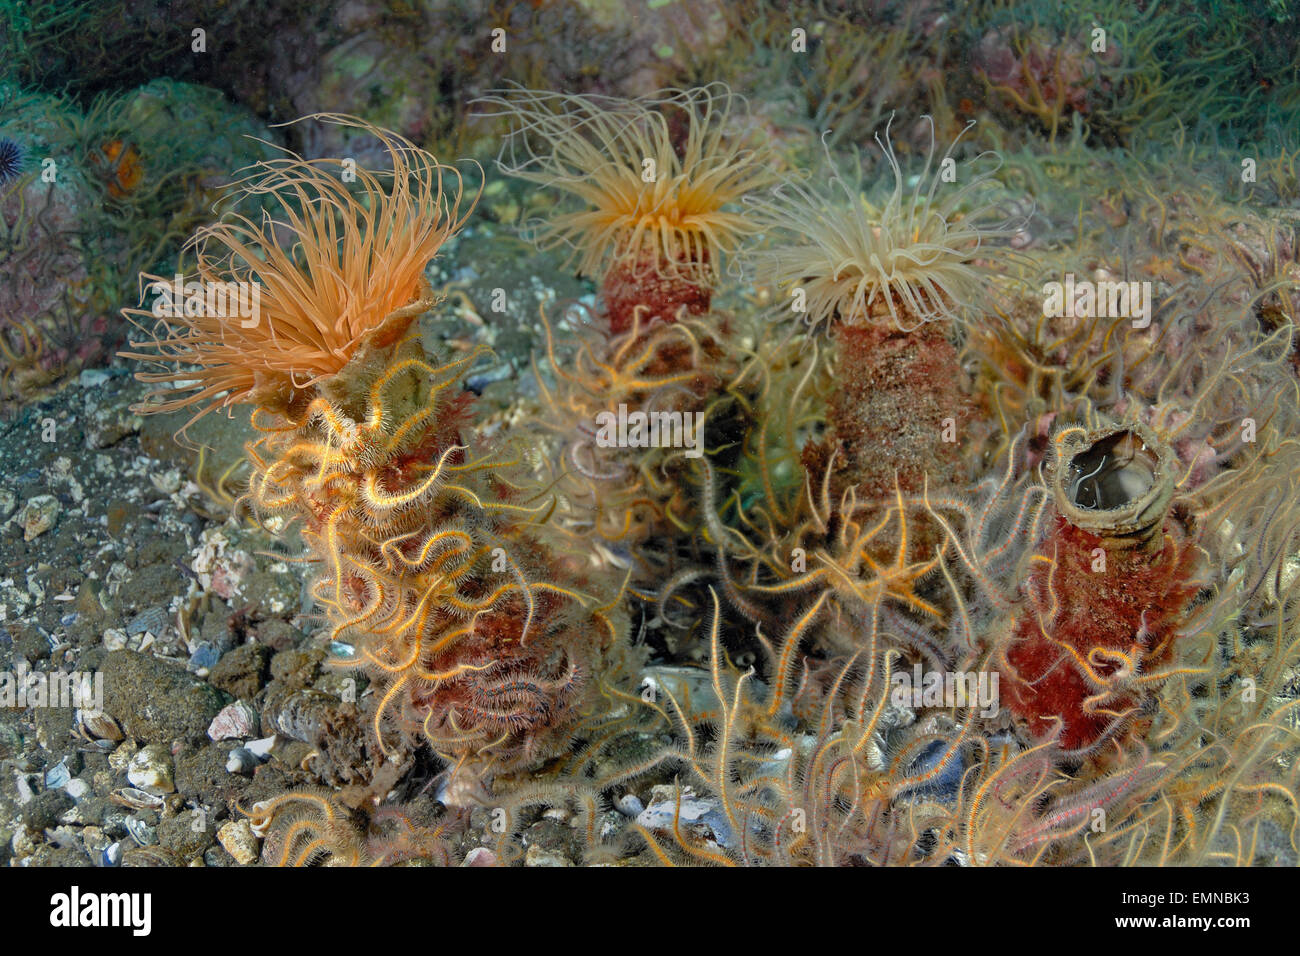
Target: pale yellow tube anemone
(908, 258)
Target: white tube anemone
(909, 258)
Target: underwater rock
(666, 803)
(242, 672)
(187, 834)
(156, 701)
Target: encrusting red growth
(1091, 640)
(639, 292)
(1109, 588)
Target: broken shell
(38, 515)
(149, 856)
(97, 725)
(120, 759)
(135, 799)
(58, 776)
(261, 748)
(236, 721)
(669, 809)
(257, 809)
(246, 758)
(168, 482)
(151, 770)
(203, 659)
(142, 833)
(153, 620)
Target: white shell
(151, 770)
(98, 725)
(57, 776)
(629, 805)
(261, 748)
(242, 760)
(135, 799)
(141, 832)
(480, 856)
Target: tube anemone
(653, 175)
(332, 263)
(909, 258)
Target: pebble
(24, 788)
(239, 841)
(38, 515)
(629, 805)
